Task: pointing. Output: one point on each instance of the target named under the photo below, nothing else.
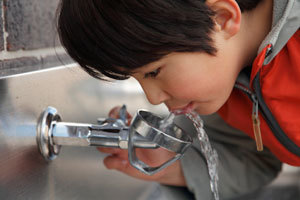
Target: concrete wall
(1, 27)
(28, 38)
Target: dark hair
(114, 37)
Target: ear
(227, 17)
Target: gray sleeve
(241, 168)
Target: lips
(183, 110)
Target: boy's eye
(152, 74)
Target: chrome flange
(44, 138)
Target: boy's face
(197, 81)
(200, 81)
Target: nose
(154, 92)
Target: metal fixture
(143, 132)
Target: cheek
(202, 90)
(190, 89)
(214, 83)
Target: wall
(28, 38)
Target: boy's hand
(118, 160)
(115, 113)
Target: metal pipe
(80, 134)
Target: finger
(109, 150)
(122, 153)
(129, 118)
(123, 165)
(115, 162)
(154, 157)
(114, 112)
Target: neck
(256, 24)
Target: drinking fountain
(144, 132)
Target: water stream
(208, 152)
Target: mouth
(183, 110)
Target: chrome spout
(78, 134)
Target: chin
(207, 110)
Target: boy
(187, 54)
